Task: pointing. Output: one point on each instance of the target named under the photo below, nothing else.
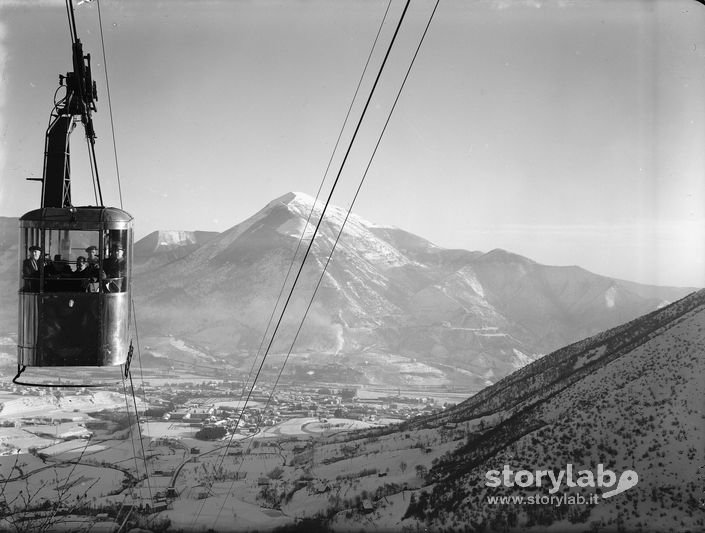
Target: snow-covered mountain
(164, 246)
(384, 292)
(392, 307)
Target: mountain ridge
(386, 288)
(655, 343)
(386, 292)
(627, 401)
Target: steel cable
(323, 212)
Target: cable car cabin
(75, 278)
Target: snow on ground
(334, 425)
(63, 430)
(521, 359)
(75, 446)
(237, 404)
(17, 438)
(6, 396)
(313, 426)
(387, 516)
(183, 347)
(115, 452)
(232, 505)
(293, 227)
(226, 512)
(168, 430)
(67, 524)
(38, 480)
(293, 427)
(50, 406)
(346, 471)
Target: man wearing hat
(115, 267)
(92, 253)
(92, 270)
(30, 269)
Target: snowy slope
(628, 399)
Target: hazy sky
(569, 132)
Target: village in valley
(85, 456)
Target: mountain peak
(503, 256)
(298, 203)
(293, 197)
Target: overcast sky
(568, 132)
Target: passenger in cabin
(92, 269)
(80, 275)
(30, 269)
(115, 267)
(81, 267)
(92, 252)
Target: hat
(91, 248)
(32, 248)
(117, 246)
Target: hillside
(630, 398)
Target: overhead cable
(310, 214)
(325, 207)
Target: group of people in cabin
(87, 277)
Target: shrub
(211, 433)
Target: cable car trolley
(75, 262)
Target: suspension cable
(128, 373)
(110, 105)
(310, 214)
(129, 425)
(139, 430)
(72, 21)
(139, 357)
(349, 210)
(94, 161)
(298, 246)
(325, 207)
(97, 191)
(323, 212)
(94, 178)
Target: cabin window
(115, 262)
(61, 260)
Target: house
(366, 506)
(201, 414)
